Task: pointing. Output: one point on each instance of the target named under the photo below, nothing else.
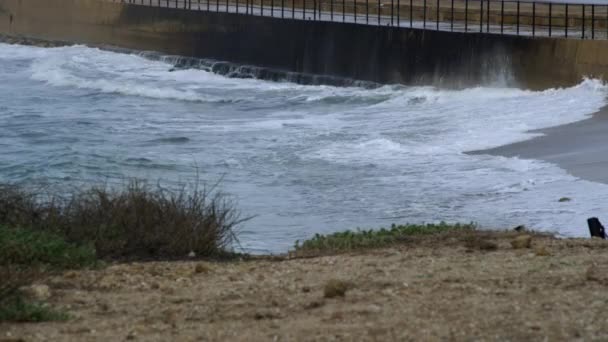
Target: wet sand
(581, 148)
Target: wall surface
(380, 54)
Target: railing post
(398, 13)
(217, 5)
(424, 14)
(331, 10)
(452, 16)
(502, 17)
(343, 10)
(592, 21)
(282, 8)
(566, 23)
(314, 10)
(392, 12)
(379, 10)
(550, 17)
(293, 9)
(533, 19)
(518, 18)
(355, 10)
(480, 15)
(437, 15)
(272, 8)
(488, 17)
(583, 26)
(466, 15)
(411, 13)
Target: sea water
(301, 159)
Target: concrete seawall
(379, 54)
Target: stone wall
(380, 54)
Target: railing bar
(592, 21)
(518, 18)
(398, 13)
(488, 17)
(502, 16)
(392, 12)
(566, 23)
(437, 15)
(480, 15)
(424, 15)
(583, 24)
(411, 14)
(533, 19)
(550, 17)
(452, 16)
(466, 15)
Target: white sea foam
(305, 159)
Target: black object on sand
(595, 228)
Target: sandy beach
(581, 148)
(454, 287)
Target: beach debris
(265, 313)
(38, 292)
(565, 199)
(191, 254)
(201, 268)
(598, 273)
(596, 229)
(542, 251)
(316, 303)
(520, 228)
(335, 288)
(480, 244)
(522, 241)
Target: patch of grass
(352, 240)
(18, 309)
(134, 221)
(27, 256)
(28, 247)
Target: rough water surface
(303, 159)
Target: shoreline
(580, 148)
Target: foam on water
(304, 158)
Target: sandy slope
(424, 289)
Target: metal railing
(522, 18)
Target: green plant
(20, 246)
(17, 309)
(135, 221)
(349, 240)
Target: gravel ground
(429, 288)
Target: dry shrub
(12, 277)
(135, 221)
